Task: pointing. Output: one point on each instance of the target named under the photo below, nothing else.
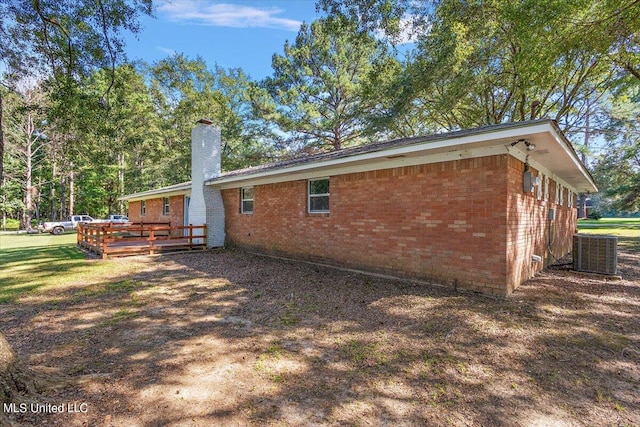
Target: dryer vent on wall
(595, 253)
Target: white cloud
(409, 31)
(226, 15)
(166, 50)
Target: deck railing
(113, 239)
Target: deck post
(104, 242)
(204, 234)
(152, 238)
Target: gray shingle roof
(374, 147)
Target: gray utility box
(595, 253)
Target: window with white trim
(570, 198)
(546, 188)
(560, 197)
(539, 187)
(165, 206)
(143, 207)
(246, 200)
(318, 195)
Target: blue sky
(229, 33)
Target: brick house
(481, 209)
(167, 204)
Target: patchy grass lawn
(632, 221)
(32, 263)
(13, 240)
(230, 338)
(627, 230)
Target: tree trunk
(63, 197)
(22, 385)
(72, 195)
(28, 200)
(3, 182)
(1, 146)
(16, 382)
(52, 191)
(38, 200)
(121, 167)
(582, 199)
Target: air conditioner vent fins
(595, 253)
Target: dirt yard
(230, 338)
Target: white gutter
(172, 190)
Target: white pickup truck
(59, 227)
(114, 218)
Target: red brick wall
(446, 221)
(154, 211)
(134, 211)
(466, 223)
(530, 227)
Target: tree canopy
(318, 87)
(482, 62)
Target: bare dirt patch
(230, 338)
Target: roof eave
(568, 147)
(447, 143)
(172, 190)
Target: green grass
(615, 226)
(12, 240)
(608, 222)
(627, 229)
(36, 262)
(31, 263)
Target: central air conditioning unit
(595, 253)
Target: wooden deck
(139, 238)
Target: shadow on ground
(232, 338)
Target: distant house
(481, 209)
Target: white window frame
(546, 188)
(165, 206)
(539, 189)
(143, 207)
(570, 198)
(559, 194)
(244, 199)
(310, 196)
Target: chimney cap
(205, 122)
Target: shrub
(594, 215)
(12, 224)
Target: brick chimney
(205, 206)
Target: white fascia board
(155, 194)
(429, 148)
(447, 149)
(363, 166)
(570, 152)
(554, 157)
